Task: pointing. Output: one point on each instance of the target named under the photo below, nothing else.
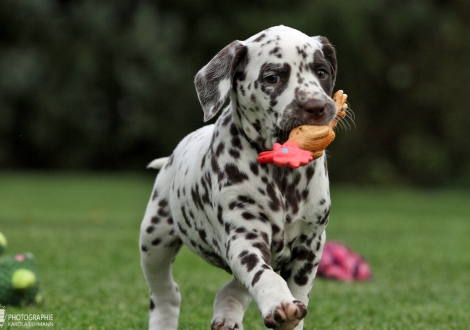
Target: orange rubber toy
(306, 142)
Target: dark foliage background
(108, 85)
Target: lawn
(83, 230)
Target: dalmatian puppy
(262, 223)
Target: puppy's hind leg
(158, 248)
(229, 306)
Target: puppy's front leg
(301, 270)
(249, 255)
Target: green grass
(83, 230)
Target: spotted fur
(262, 223)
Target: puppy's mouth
(314, 112)
(290, 122)
(283, 136)
(282, 133)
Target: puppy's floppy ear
(214, 81)
(330, 55)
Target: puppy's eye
(322, 74)
(272, 79)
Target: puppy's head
(278, 79)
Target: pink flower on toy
(287, 154)
(341, 263)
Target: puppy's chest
(230, 196)
(281, 195)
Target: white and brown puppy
(262, 223)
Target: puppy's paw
(285, 316)
(225, 323)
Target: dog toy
(338, 262)
(19, 283)
(306, 142)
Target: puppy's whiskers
(347, 122)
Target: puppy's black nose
(315, 108)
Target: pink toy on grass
(341, 263)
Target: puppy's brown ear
(330, 55)
(214, 81)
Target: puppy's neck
(255, 132)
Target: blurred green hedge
(108, 85)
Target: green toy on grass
(19, 284)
